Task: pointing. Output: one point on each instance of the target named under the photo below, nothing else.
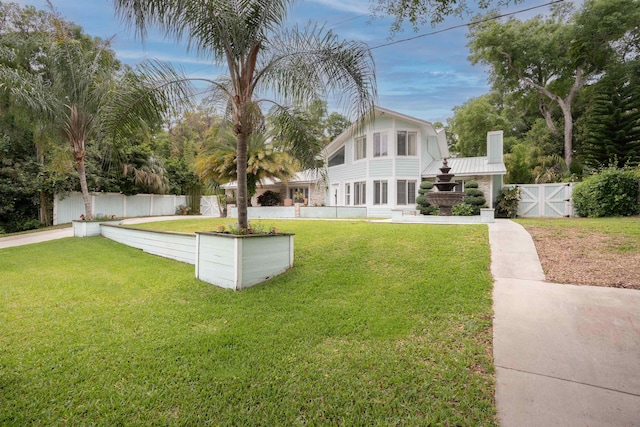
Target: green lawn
(377, 324)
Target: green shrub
(422, 203)
(474, 197)
(473, 192)
(610, 192)
(269, 198)
(507, 203)
(463, 209)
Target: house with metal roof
(380, 163)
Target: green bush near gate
(611, 192)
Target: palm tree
(74, 92)
(261, 58)
(218, 163)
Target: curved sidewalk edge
(37, 237)
(565, 355)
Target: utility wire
(468, 24)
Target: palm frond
(145, 95)
(312, 63)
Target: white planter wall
(89, 228)
(225, 260)
(238, 262)
(178, 246)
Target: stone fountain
(445, 197)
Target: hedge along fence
(610, 192)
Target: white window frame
(380, 144)
(380, 192)
(347, 194)
(360, 148)
(407, 189)
(303, 190)
(409, 147)
(339, 151)
(360, 193)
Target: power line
(468, 24)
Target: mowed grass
(376, 325)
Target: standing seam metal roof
(466, 166)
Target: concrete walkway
(565, 355)
(36, 237)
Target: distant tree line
(566, 91)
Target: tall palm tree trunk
(243, 220)
(82, 174)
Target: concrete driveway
(565, 355)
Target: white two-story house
(380, 165)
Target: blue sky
(424, 78)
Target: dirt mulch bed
(586, 257)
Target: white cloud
(355, 6)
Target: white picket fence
(71, 206)
(545, 200)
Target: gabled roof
(379, 112)
(466, 166)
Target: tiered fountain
(445, 197)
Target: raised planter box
(90, 228)
(238, 262)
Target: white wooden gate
(545, 200)
(209, 206)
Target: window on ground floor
(347, 194)
(359, 193)
(380, 190)
(295, 193)
(406, 192)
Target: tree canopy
(297, 65)
(556, 56)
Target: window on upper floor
(380, 145)
(407, 143)
(380, 190)
(337, 158)
(359, 193)
(406, 192)
(360, 148)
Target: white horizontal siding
(263, 258)
(178, 246)
(216, 261)
(332, 212)
(407, 167)
(355, 172)
(381, 168)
